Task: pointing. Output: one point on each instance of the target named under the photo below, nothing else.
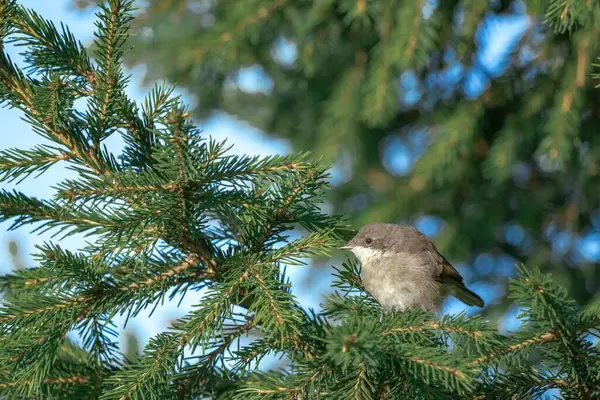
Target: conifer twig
(540, 339)
(434, 326)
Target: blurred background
(468, 119)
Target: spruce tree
(174, 212)
(500, 145)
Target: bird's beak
(346, 247)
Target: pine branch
(9, 11)
(116, 289)
(546, 337)
(299, 386)
(564, 15)
(112, 33)
(563, 120)
(179, 213)
(150, 375)
(15, 163)
(21, 92)
(79, 380)
(49, 50)
(450, 142)
(29, 210)
(553, 305)
(197, 375)
(435, 326)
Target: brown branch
(583, 59)
(171, 186)
(412, 41)
(265, 289)
(107, 66)
(546, 337)
(44, 160)
(564, 12)
(453, 371)
(290, 199)
(10, 209)
(297, 391)
(85, 301)
(191, 262)
(72, 194)
(53, 307)
(360, 379)
(228, 340)
(433, 326)
(76, 379)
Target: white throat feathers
(366, 255)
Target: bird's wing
(448, 275)
(443, 272)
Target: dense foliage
(426, 107)
(174, 213)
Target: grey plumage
(402, 268)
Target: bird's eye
(368, 240)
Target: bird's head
(375, 239)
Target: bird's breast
(399, 282)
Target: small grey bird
(401, 268)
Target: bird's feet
(383, 312)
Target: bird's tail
(467, 296)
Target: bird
(402, 269)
